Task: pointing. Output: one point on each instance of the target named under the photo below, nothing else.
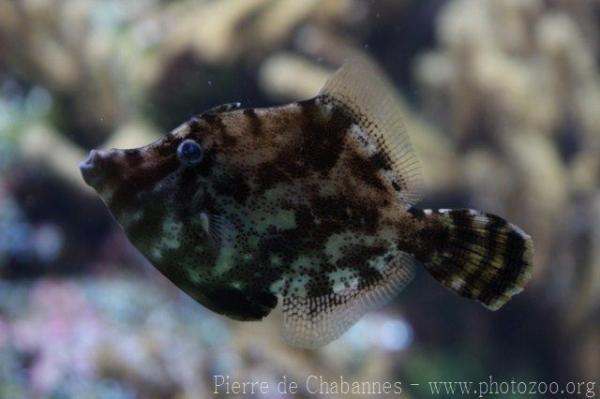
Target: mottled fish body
(310, 205)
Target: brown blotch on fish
(254, 122)
(323, 136)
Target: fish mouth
(91, 169)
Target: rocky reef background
(502, 101)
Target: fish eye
(189, 152)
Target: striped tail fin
(481, 256)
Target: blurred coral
(522, 77)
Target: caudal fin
(482, 256)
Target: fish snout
(92, 169)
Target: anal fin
(313, 321)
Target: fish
(308, 207)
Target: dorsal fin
(223, 108)
(363, 88)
